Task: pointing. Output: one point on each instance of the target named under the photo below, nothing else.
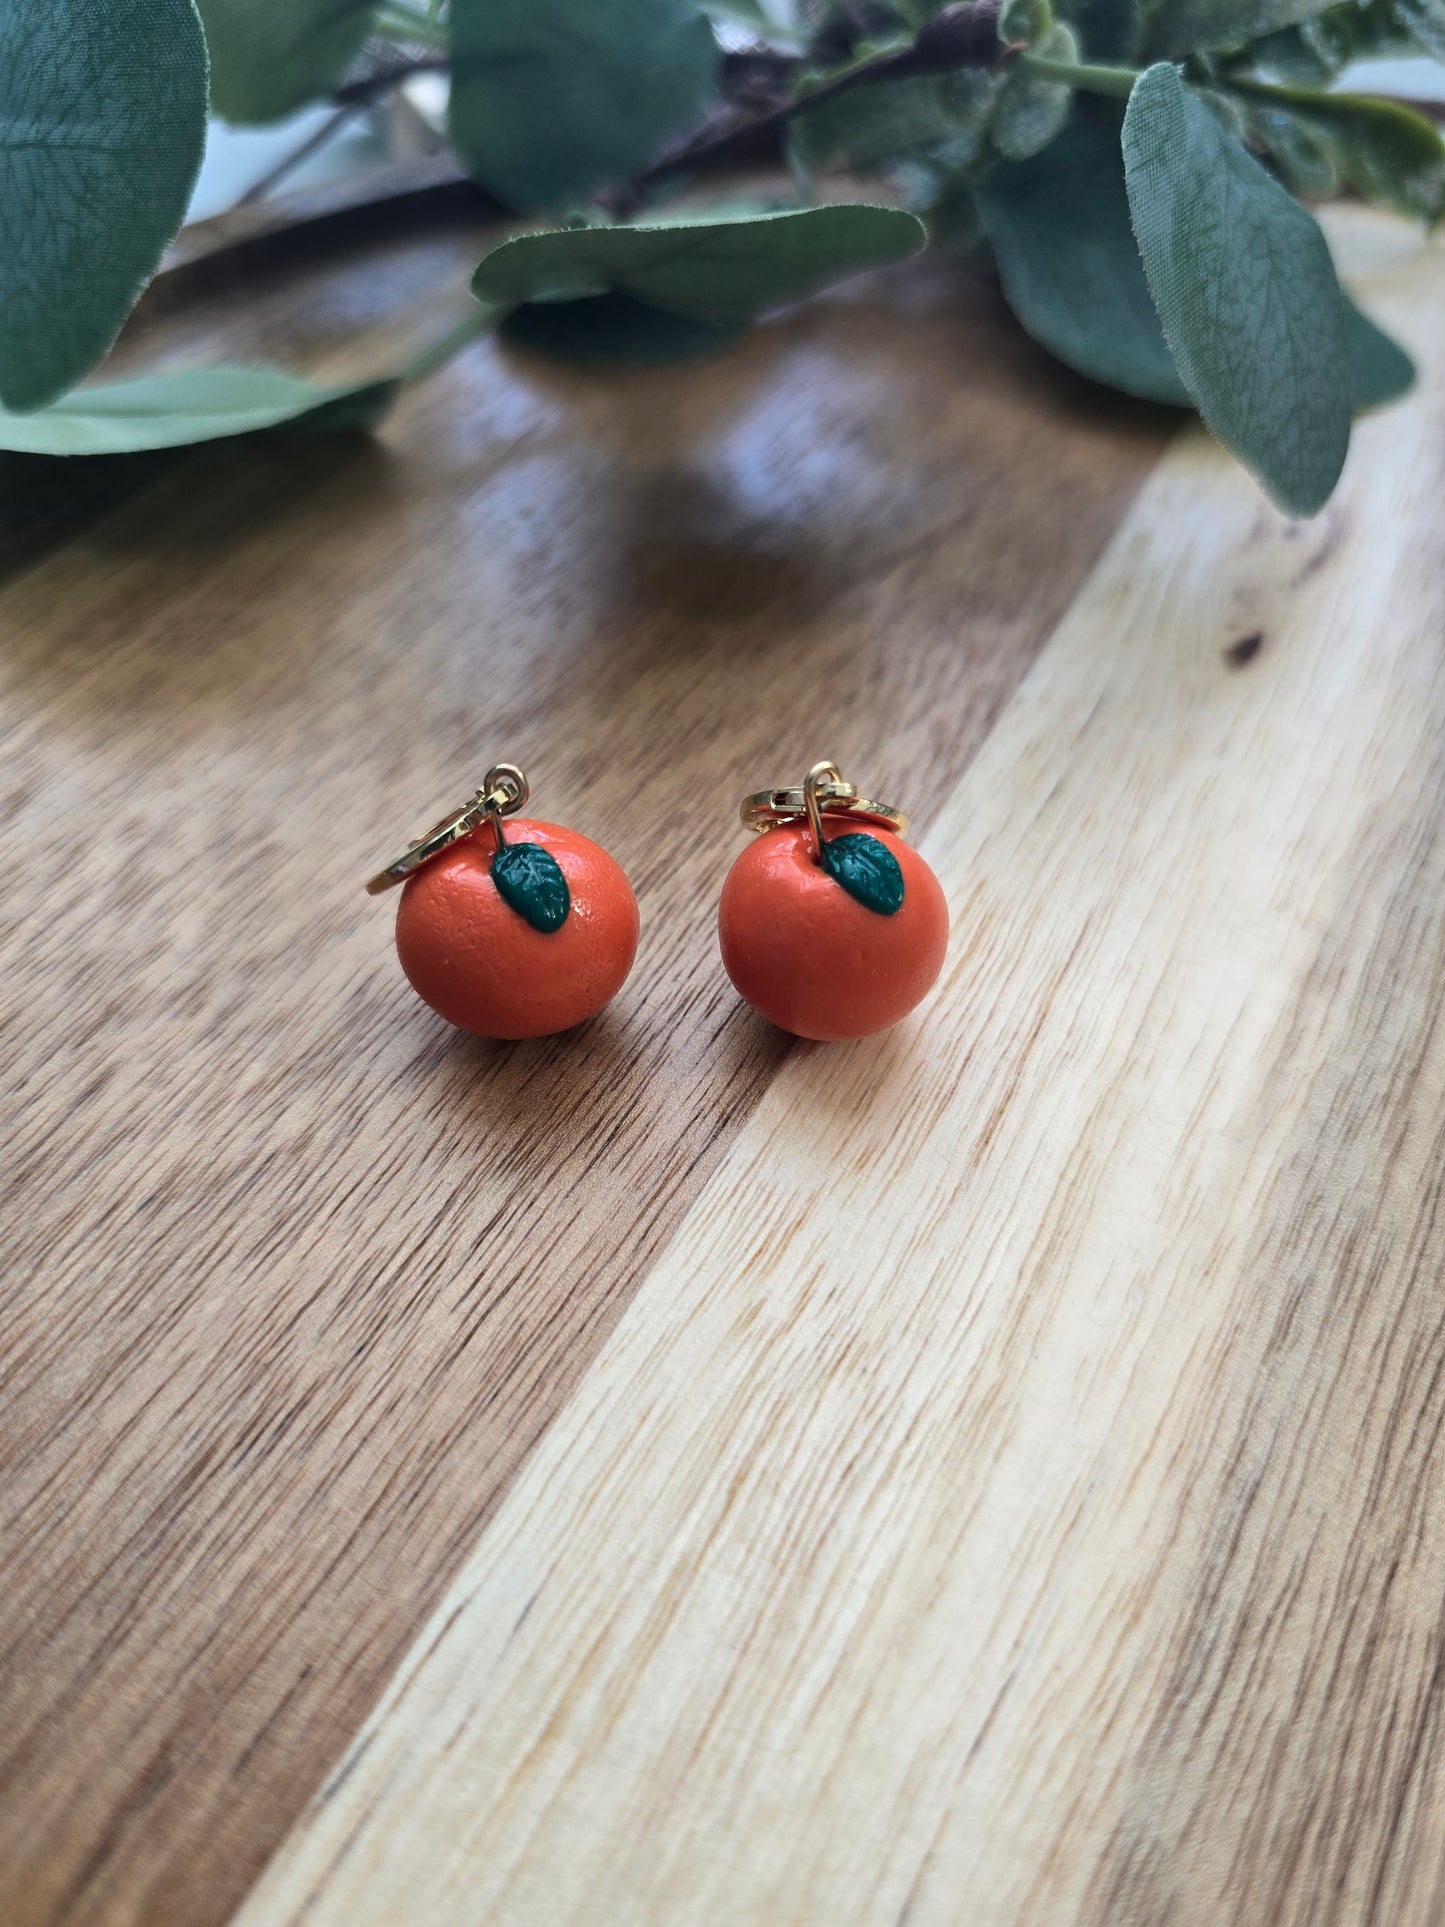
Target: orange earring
(829, 923)
(511, 934)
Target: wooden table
(991, 1473)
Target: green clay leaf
(723, 268)
(867, 870)
(269, 57)
(531, 881)
(1246, 292)
(551, 98)
(202, 405)
(102, 125)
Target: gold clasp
(823, 792)
(504, 791)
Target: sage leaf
(102, 126)
(1070, 268)
(1030, 110)
(269, 57)
(727, 268)
(530, 880)
(615, 330)
(172, 411)
(1245, 289)
(550, 98)
(867, 870)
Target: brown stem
(960, 36)
(359, 93)
(272, 179)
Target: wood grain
(1016, 1494)
(296, 1278)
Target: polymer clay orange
(478, 961)
(810, 956)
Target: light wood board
(1016, 1492)
(294, 1278)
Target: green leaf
(1385, 151)
(615, 330)
(1071, 270)
(102, 126)
(1311, 54)
(1302, 157)
(530, 879)
(1059, 224)
(1107, 30)
(778, 22)
(1181, 27)
(1016, 22)
(1291, 55)
(1245, 289)
(1424, 21)
(203, 405)
(867, 870)
(1380, 370)
(725, 269)
(551, 98)
(269, 57)
(873, 128)
(1031, 110)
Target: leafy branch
(1137, 171)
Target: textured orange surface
(482, 966)
(812, 958)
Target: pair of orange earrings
(829, 923)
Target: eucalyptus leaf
(1030, 110)
(1180, 27)
(877, 127)
(269, 57)
(615, 329)
(102, 127)
(1301, 156)
(867, 869)
(1311, 54)
(1290, 55)
(1106, 30)
(1016, 22)
(171, 411)
(1066, 254)
(551, 98)
(1385, 151)
(530, 880)
(1246, 292)
(1070, 267)
(1424, 20)
(725, 269)
(1380, 370)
